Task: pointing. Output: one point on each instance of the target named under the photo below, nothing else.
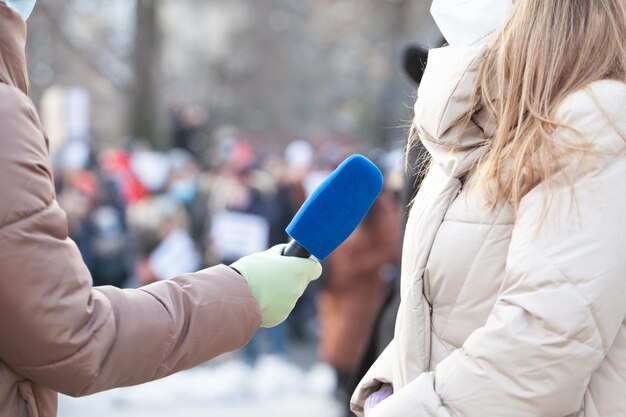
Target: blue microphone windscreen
(337, 206)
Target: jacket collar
(457, 160)
(443, 102)
(445, 91)
(12, 49)
(470, 22)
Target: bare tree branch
(104, 61)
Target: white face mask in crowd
(465, 23)
(23, 7)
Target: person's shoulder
(21, 128)
(18, 117)
(598, 112)
(606, 97)
(27, 185)
(14, 102)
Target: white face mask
(23, 7)
(470, 22)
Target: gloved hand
(277, 281)
(376, 398)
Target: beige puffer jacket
(500, 317)
(57, 333)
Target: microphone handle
(293, 248)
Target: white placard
(235, 234)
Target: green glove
(277, 281)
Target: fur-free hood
(12, 49)
(468, 22)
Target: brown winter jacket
(57, 333)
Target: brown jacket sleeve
(59, 331)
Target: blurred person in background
(167, 248)
(189, 129)
(245, 216)
(115, 165)
(237, 189)
(169, 220)
(354, 288)
(184, 187)
(59, 333)
(96, 215)
(513, 289)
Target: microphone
(330, 215)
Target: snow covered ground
(227, 388)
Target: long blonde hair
(548, 50)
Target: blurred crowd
(140, 215)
